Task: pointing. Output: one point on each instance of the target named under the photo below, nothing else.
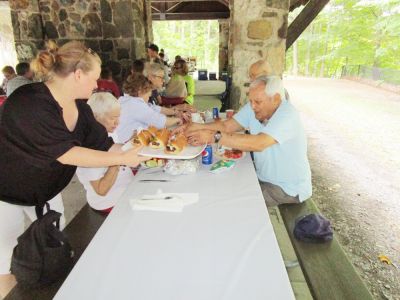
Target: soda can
(215, 113)
(206, 155)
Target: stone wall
(116, 29)
(258, 31)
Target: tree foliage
(189, 38)
(349, 32)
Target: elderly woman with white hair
(276, 136)
(104, 186)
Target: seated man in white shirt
(104, 186)
(277, 139)
(137, 113)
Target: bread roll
(142, 138)
(160, 139)
(176, 144)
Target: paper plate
(188, 153)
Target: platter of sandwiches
(161, 143)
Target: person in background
(180, 70)
(45, 133)
(152, 53)
(136, 112)
(104, 186)
(9, 73)
(178, 57)
(162, 58)
(276, 136)
(25, 76)
(164, 55)
(258, 69)
(138, 66)
(261, 68)
(107, 84)
(155, 73)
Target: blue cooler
(202, 74)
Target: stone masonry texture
(116, 29)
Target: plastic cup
(229, 113)
(196, 118)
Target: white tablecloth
(222, 247)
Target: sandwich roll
(160, 139)
(153, 130)
(176, 144)
(142, 138)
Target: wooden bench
(329, 273)
(80, 232)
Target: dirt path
(354, 150)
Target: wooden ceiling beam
(306, 16)
(191, 16)
(158, 1)
(173, 7)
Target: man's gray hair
(153, 69)
(273, 85)
(103, 103)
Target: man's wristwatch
(217, 136)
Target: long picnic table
(222, 247)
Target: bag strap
(39, 212)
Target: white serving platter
(188, 153)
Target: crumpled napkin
(170, 202)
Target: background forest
(189, 38)
(361, 35)
(350, 33)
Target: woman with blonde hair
(45, 133)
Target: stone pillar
(115, 29)
(148, 22)
(28, 28)
(258, 31)
(223, 45)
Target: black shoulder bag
(43, 254)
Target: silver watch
(217, 136)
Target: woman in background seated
(104, 186)
(136, 112)
(155, 73)
(180, 72)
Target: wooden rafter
(189, 10)
(192, 16)
(306, 16)
(173, 7)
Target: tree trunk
(322, 70)
(295, 68)
(191, 37)
(308, 53)
(316, 47)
